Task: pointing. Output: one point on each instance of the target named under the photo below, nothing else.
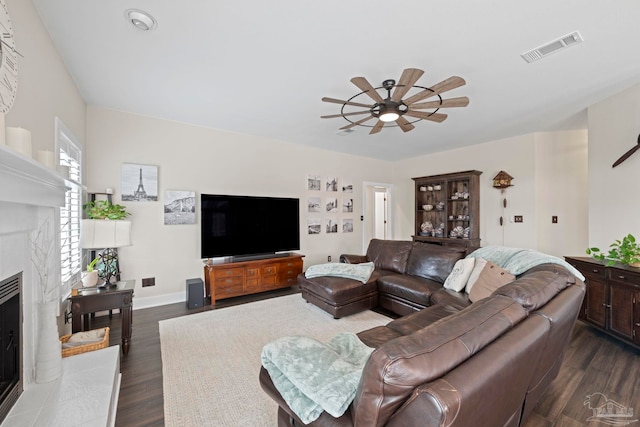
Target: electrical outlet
(329, 258)
(149, 281)
(554, 219)
(517, 218)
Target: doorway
(376, 217)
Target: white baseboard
(139, 303)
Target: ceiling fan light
(389, 116)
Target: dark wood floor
(594, 362)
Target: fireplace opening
(10, 343)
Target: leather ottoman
(340, 296)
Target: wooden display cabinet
(249, 277)
(612, 298)
(451, 203)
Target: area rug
(211, 360)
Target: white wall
(537, 162)
(561, 190)
(216, 162)
(614, 204)
(45, 88)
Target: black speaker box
(195, 293)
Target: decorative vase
(89, 278)
(49, 357)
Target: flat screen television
(248, 226)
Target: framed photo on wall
(314, 226)
(331, 183)
(139, 183)
(347, 205)
(347, 185)
(331, 204)
(313, 204)
(179, 207)
(314, 182)
(347, 225)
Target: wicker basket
(71, 351)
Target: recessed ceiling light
(140, 19)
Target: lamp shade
(102, 233)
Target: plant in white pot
(625, 251)
(90, 276)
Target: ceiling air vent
(553, 46)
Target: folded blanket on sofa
(360, 272)
(313, 376)
(517, 261)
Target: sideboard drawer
(589, 269)
(624, 276)
(229, 272)
(230, 285)
(269, 270)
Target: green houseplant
(102, 209)
(625, 251)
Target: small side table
(85, 301)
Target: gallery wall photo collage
(329, 205)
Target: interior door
(376, 216)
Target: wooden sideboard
(249, 277)
(612, 300)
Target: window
(70, 155)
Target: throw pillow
(477, 269)
(459, 276)
(491, 278)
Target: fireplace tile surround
(30, 194)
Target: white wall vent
(553, 46)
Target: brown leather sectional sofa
(453, 362)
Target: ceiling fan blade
(366, 87)
(377, 128)
(404, 124)
(409, 77)
(355, 113)
(434, 117)
(445, 103)
(444, 86)
(628, 154)
(359, 122)
(353, 104)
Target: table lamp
(106, 236)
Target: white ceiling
(261, 68)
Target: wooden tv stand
(249, 277)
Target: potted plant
(90, 276)
(625, 251)
(102, 209)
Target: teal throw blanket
(313, 376)
(361, 272)
(517, 261)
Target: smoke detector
(140, 19)
(553, 46)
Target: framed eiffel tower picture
(139, 183)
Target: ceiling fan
(395, 109)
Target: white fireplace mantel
(26, 181)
